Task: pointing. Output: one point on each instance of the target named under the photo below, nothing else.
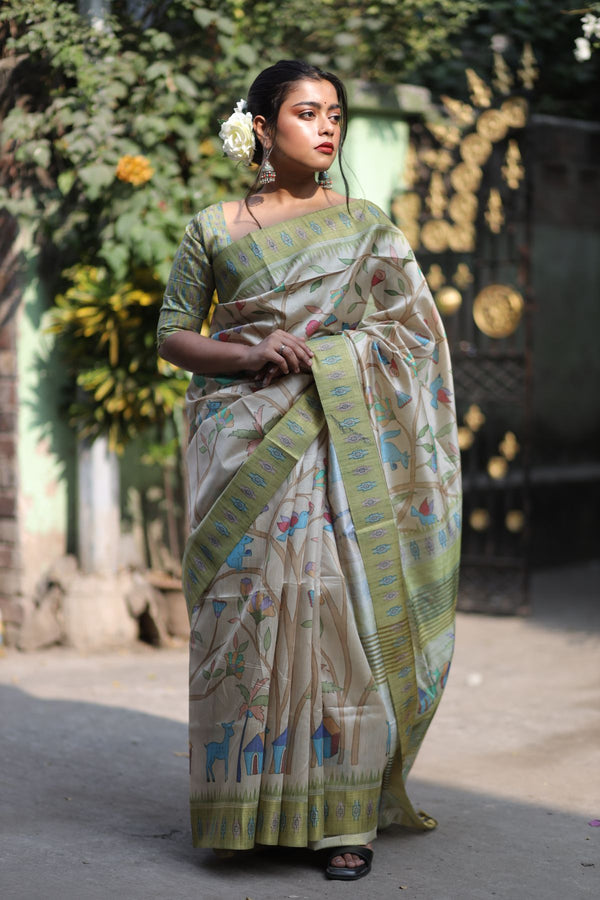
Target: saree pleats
(321, 571)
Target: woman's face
(308, 127)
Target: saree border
(378, 540)
(251, 488)
(264, 253)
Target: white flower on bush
(499, 43)
(582, 50)
(590, 25)
(237, 135)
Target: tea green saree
(321, 569)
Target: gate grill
(465, 208)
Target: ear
(262, 132)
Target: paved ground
(94, 785)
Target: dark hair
(271, 87)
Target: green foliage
(109, 135)
(81, 103)
(564, 87)
(124, 392)
(111, 141)
(380, 41)
(100, 96)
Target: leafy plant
(563, 87)
(110, 147)
(107, 330)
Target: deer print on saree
(216, 750)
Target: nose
(326, 126)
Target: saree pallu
(321, 570)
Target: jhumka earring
(267, 174)
(324, 181)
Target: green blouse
(191, 283)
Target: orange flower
(134, 169)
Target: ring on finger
(282, 348)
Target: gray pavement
(94, 774)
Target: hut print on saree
(321, 569)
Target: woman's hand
(279, 354)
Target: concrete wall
(44, 442)
(10, 565)
(374, 157)
(377, 140)
(36, 445)
(565, 170)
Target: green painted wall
(374, 155)
(45, 444)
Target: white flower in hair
(237, 135)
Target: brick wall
(10, 565)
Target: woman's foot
(348, 863)
(349, 860)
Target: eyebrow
(315, 104)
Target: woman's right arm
(201, 355)
(205, 356)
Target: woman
(321, 569)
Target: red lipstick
(325, 147)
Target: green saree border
(244, 244)
(259, 260)
(286, 815)
(249, 491)
(377, 536)
(370, 507)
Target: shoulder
(375, 211)
(368, 213)
(208, 228)
(231, 207)
(335, 199)
(235, 212)
(208, 217)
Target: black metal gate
(465, 208)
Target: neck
(289, 190)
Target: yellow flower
(134, 169)
(137, 296)
(206, 147)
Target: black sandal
(343, 873)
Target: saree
(321, 569)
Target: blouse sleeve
(190, 286)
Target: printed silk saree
(321, 569)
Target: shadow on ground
(94, 805)
(568, 598)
